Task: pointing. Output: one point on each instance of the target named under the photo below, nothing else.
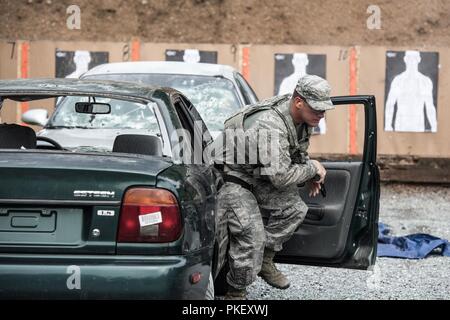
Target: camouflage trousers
(283, 209)
(246, 233)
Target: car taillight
(149, 215)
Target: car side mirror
(35, 117)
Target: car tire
(209, 295)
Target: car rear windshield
(123, 115)
(215, 98)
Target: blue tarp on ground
(413, 246)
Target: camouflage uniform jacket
(294, 165)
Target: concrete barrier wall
(350, 70)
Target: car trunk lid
(58, 202)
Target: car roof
(164, 67)
(48, 87)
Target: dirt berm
(326, 22)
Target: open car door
(341, 229)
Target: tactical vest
(237, 122)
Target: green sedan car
(114, 208)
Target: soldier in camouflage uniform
(282, 163)
(246, 236)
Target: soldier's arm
(277, 161)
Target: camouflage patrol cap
(316, 92)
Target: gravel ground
(407, 209)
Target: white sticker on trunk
(150, 219)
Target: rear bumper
(102, 277)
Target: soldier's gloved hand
(314, 188)
(322, 189)
(320, 170)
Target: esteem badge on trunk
(105, 213)
(94, 194)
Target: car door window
(199, 124)
(191, 121)
(247, 92)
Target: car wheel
(210, 288)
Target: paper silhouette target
(291, 67)
(72, 64)
(411, 91)
(191, 56)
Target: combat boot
(235, 294)
(270, 273)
